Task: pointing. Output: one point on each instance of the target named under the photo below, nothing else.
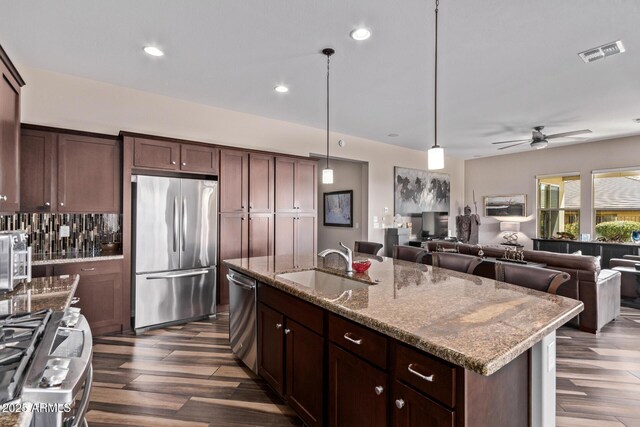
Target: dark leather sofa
(628, 283)
(598, 289)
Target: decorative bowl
(635, 236)
(361, 266)
(110, 247)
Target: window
(616, 197)
(558, 206)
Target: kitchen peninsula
(405, 342)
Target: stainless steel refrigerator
(175, 237)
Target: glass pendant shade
(435, 158)
(327, 176)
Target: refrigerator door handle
(175, 224)
(184, 224)
(176, 275)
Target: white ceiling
(505, 65)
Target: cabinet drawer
(433, 377)
(362, 341)
(302, 312)
(88, 268)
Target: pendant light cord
(328, 67)
(435, 84)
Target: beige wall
(66, 101)
(347, 175)
(516, 174)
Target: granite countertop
(71, 257)
(42, 293)
(476, 323)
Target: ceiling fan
(539, 140)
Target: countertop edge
(482, 367)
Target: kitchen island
(453, 349)
(42, 293)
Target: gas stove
(45, 365)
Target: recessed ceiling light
(393, 135)
(602, 52)
(360, 34)
(153, 51)
(281, 89)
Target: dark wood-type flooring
(187, 376)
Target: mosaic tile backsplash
(86, 231)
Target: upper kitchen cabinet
(10, 84)
(37, 162)
(69, 172)
(88, 174)
(296, 183)
(156, 154)
(234, 181)
(261, 183)
(198, 159)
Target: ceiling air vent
(603, 51)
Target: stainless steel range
(45, 366)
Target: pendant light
(435, 155)
(327, 173)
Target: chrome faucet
(347, 255)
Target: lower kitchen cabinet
(100, 293)
(412, 409)
(271, 347)
(234, 243)
(358, 393)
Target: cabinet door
(100, 293)
(152, 154)
(271, 347)
(285, 184)
(305, 239)
(234, 243)
(9, 135)
(411, 409)
(304, 373)
(37, 166)
(198, 159)
(260, 235)
(234, 181)
(285, 240)
(306, 185)
(89, 174)
(357, 391)
(261, 183)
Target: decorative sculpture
(467, 226)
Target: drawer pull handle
(400, 403)
(418, 374)
(88, 269)
(347, 336)
(74, 300)
(379, 389)
(287, 331)
(278, 325)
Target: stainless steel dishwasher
(243, 325)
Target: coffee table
(628, 302)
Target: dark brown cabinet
(261, 183)
(271, 347)
(296, 184)
(69, 173)
(411, 409)
(198, 159)
(234, 243)
(260, 235)
(100, 293)
(37, 162)
(88, 174)
(156, 154)
(358, 392)
(295, 237)
(10, 83)
(234, 181)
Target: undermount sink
(324, 282)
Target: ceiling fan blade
(509, 146)
(515, 140)
(572, 139)
(563, 134)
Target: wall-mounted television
(435, 224)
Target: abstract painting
(419, 191)
(515, 205)
(338, 208)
